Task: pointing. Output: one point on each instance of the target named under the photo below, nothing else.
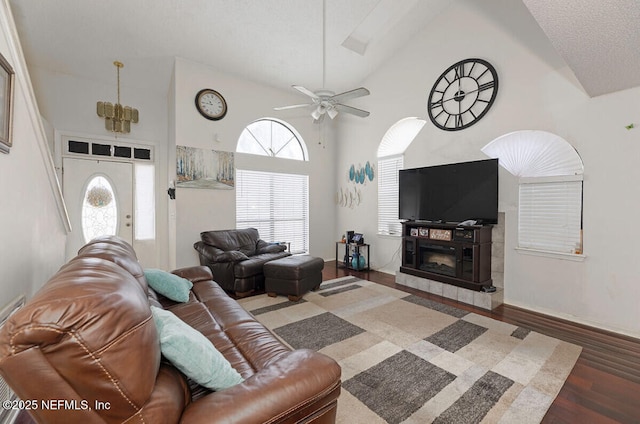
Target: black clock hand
(480, 88)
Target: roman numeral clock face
(463, 94)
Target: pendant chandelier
(117, 118)
(99, 196)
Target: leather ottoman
(293, 276)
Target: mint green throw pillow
(192, 353)
(168, 284)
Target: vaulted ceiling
(280, 42)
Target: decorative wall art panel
(203, 168)
(361, 174)
(348, 197)
(356, 175)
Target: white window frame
(145, 201)
(388, 222)
(276, 204)
(550, 192)
(550, 216)
(292, 147)
(391, 152)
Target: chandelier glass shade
(117, 118)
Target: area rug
(406, 359)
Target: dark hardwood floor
(604, 385)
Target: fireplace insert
(437, 259)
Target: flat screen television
(452, 193)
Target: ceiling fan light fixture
(316, 113)
(332, 113)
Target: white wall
(32, 231)
(537, 91)
(198, 210)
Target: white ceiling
(280, 42)
(277, 42)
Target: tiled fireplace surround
(480, 299)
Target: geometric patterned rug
(406, 359)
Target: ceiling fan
(326, 102)
(329, 103)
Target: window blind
(388, 222)
(550, 215)
(276, 204)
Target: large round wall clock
(463, 94)
(211, 104)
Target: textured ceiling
(277, 42)
(280, 42)
(598, 39)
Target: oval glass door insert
(99, 209)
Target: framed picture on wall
(6, 104)
(204, 168)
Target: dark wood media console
(448, 253)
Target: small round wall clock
(211, 104)
(463, 94)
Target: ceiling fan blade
(347, 95)
(292, 106)
(351, 110)
(306, 91)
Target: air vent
(8, 415)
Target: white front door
(99, 198)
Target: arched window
(533, 153)
(99, 209)
(550, 193)
(277, 204)
(390, 160)
(272, 137)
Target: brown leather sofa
(88, 338)
(236, 258)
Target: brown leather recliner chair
(236, 258)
